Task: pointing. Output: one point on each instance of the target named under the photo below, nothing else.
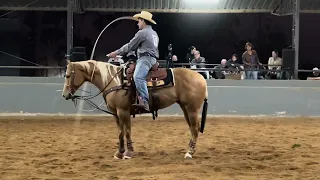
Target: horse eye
(67, 76)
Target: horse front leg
(125, 118)
(121, 150)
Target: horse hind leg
(194, 129)
(185, 113)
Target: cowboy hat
(144, 15)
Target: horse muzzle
(68, 96)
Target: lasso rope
(81, 104)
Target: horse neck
(104, 79)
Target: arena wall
(226, 97)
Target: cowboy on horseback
(146, 43)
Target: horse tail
(204, 114)
(206, 94)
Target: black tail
(204, 115)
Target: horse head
(77, 73)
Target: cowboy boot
(142, 105)
(146, 106)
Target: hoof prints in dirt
(229, 149)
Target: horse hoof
(128, 155)
(118, 155)
(188, 156)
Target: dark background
(41, 36)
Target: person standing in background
(250, 61)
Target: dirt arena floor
(60, 148)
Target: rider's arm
(133, 44)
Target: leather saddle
(155, 73)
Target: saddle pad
(168, 81)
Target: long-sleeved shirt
(145, 40)
(274, 61)
(199, 61)
(250, 61)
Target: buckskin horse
(166, 87)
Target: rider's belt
(146, 54)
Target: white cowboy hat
(144, 15)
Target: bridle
(72, 76)
(88, 98)
(71, 82)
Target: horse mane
(107, 70)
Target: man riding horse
(146, 43)
(168, 86)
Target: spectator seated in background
(315, 75)
(174, 60)
(171, 59)
(233, 63)
(219, 74)
(274, 63)
(198, 61)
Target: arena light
(202, 4)
(207, 1)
